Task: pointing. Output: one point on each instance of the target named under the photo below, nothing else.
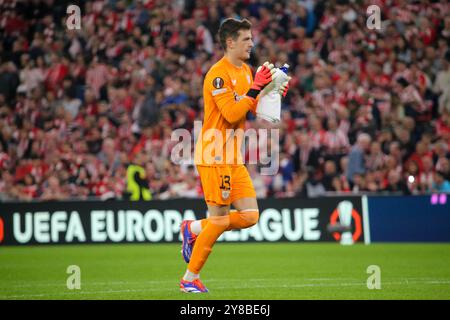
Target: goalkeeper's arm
(234, 111)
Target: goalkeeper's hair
(230, 28)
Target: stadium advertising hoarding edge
(159, 221)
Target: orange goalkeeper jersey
(226, 106)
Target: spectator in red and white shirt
(335, 140)
(316, 132)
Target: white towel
(269, 108)
(269, 104)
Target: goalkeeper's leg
(238, 220)
(218, 222)
(190, 229)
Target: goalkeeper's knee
(250, 217)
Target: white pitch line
(348, 284)
(149, 282)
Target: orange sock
(239, 219)
(214, 227)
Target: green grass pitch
(234, 271)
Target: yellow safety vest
(136, 191)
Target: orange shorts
(222, 185)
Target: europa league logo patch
(218, 82)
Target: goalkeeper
(229, 93)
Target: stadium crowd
(367, 110)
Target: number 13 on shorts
(225, 182)
(225, 186)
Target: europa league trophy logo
(345, 209)
(345, 223)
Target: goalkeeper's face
(243, 45)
